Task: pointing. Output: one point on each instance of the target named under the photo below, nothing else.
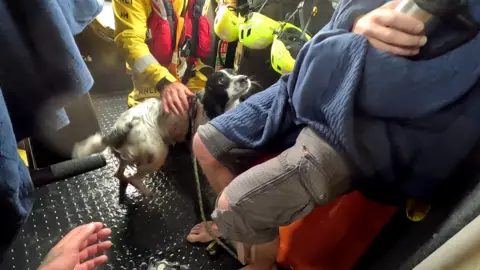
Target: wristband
(162, 83)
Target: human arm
(131, 19)
(130, 36)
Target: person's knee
(236, 224)
(201, 152)
(222, 203)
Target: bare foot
(199, 233)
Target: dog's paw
(130, 172)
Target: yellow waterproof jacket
(131, 19)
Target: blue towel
(15, 185)
(404, 125)
(41, 66)
(41, 70)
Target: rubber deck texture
(143, 231)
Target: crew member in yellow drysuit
(151, 34)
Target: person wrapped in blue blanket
(355, 113)
(41, 70)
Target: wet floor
(144, 232)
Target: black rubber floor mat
(143, 231)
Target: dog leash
(192, 114)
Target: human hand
(79, 244)
(392, 31)
(175, 98)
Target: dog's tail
(97, 143)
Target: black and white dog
(141, 136)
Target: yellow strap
(207, 70)
(173, 64)
(180, 24)
(200, 65)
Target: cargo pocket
(271, 194)
(324, 187)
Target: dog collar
(199, 95)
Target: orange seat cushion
(332, 237)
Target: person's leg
(217, 175)
(221, 160)
(276, 193)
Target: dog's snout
(242, 79)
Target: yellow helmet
(226, 23)
(257, 31)
(287, 42)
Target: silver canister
(411, 8)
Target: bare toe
(199, 233)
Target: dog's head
(225, 83)
(224, 88)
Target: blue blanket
(404, 125)
(41, 70)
